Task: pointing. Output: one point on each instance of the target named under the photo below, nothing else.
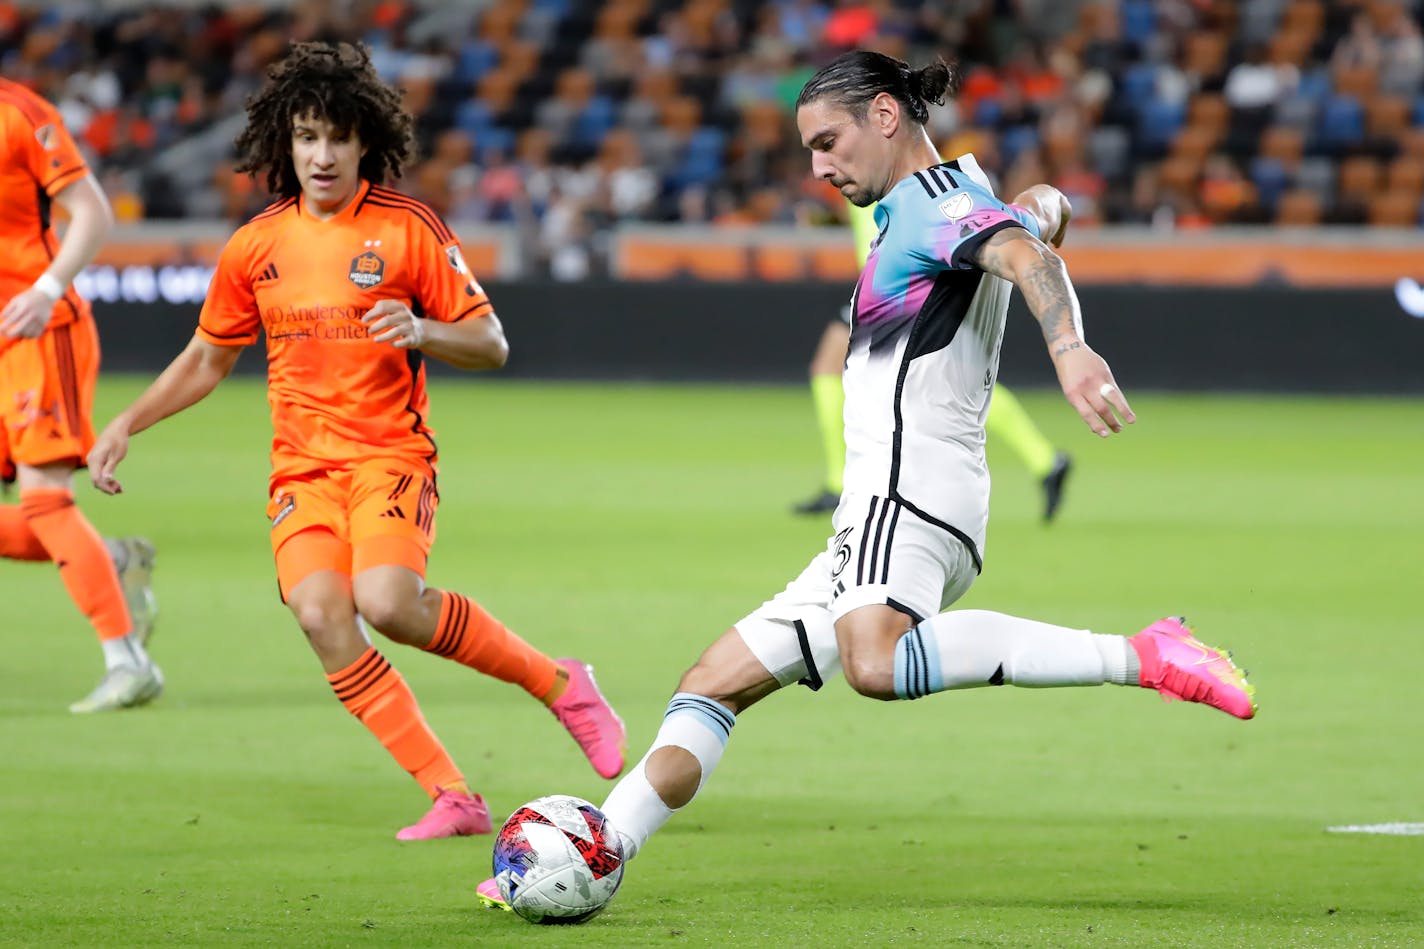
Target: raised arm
(194, 373)
(1051, 208)
(1032, 266)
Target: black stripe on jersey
(935, 327)
(895, 604)
(958, 534)
(58, 176)
(274, 209)
(478, 309)
(425, 513)
(864, 539)
(875, 547)
(944, 181)
(415, 364)
(812, 680)
(68, 376)
(242, 336)
(890, 544)
(386, 197)
(362, 203)
(427, 217)
(924, 183)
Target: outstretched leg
(888, 656)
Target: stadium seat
(1139, 21)
(1394, 209)
(1138, 85)
(1015, 140)
(1342, 124)
(1299, 208)
(1158, 122)
(1271, 179)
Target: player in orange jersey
(49, 359)
(354, 284)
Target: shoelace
(580, 725)
(1186, 686)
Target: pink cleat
(1179, 666)
(488, 895)
(591, 720)
(452, 815)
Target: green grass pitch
(632, 524)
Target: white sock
(694, 723)
(966, 649)
(124, 651)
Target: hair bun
(930, 83)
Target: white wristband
(50, 286)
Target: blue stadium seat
(492, 140)
(1158, 122)
(1109, 149)
(987, 113)
(1138, 84)
(1271, 180)
(473, 117)
(593, 123)
(702, 162)
(1418, 113)
(1342, 123)
(1139, 20)
(1016, 140)
(475, 59)
(1314, 84)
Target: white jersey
(924, 350)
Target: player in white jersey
(909, 533)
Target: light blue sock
(917, 671)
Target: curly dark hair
(335, 82)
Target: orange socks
(470, 636)
(376, 694)
(84, 564)
(17, 541)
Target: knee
(328, 624)
(386, 613)
(870, 676)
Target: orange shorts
(47, 395)
(381, 513)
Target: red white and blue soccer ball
(558, 860)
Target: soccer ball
(558, 860)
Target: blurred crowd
(567, 116)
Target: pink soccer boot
(452, 815)
(1180, 666)
(591, 720)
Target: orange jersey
(337, 397)
(38, 160)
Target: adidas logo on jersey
(394, 512)
(268, 273)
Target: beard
(858, 196)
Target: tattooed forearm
(1051, 299)
(1039, 273)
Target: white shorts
(879, 553)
